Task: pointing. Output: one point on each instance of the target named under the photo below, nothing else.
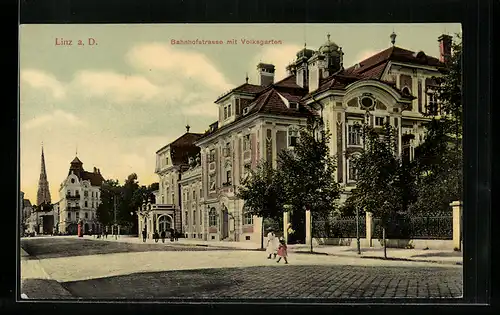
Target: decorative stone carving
(380, 105)
(353, 102)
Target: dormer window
(211, 157)
(294, 105)
(225, 112)
(246, 143)
(237, 104)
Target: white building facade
(80, 195)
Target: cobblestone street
(278, 282)
(108, 270)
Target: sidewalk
(430, 256)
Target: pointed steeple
(43, 195)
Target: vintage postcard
(223, 161)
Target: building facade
(192, 200)
(256, 122)
(171, 161)
(80, 195)
(395, 86)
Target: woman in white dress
(272, 244)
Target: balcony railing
(69, 196)
(74, 208)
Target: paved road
(125, 271)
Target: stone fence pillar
(308, 228)
(286, 220)
(369, 228)
(457, 224)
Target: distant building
(171, 161)
(80, 196)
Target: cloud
(43, 80)
(178, 63)
(57, 117)
(363, 55)
(118, 87)
(279, 56)
(207, 109)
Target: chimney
(98, 171)
(266, 74)
(95, 170)
(445, 48)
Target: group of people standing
(163, 235)
(276, 247)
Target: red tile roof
(244, 88)
(183, 147)
(95, 179)
(374, 66)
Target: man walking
(144, 235)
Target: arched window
(212, 217)
(406, 91)
(194, 217)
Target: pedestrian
(156, 236)
(272, 247)
(144, 235)
(163, 235)
(176, 234)
(106, 234)
(282, 251)
(172, 237)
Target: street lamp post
(114, 215)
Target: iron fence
(437, 226)
(343, 227)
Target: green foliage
(104, 212)
(439, 160)
(380, 186)
(262, 192)
(307, 172)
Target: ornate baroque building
(256, 122)
(80, 196)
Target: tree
(307, 174)
(380, 185)
(105, 210)
(262, 192)
(439, 159)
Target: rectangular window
(69, 215)
(229, 110)
(246, 143)
(194, 217)
(225, 112)
(86, 204)
(379, 121)
(85, 193)
(77, 215)
(211, 157)
(353, 176)
(354, 134)
(201, 193)
(432, 106)
(228, 176)
(211, 182)
(247, 218)
(293, 136)
(238, 106)
(294, 105)
(186, 219)
(86, 215)
(201, 217)
(194, 195)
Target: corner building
(256, 122)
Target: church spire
(43, 195)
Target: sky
(115, 103)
